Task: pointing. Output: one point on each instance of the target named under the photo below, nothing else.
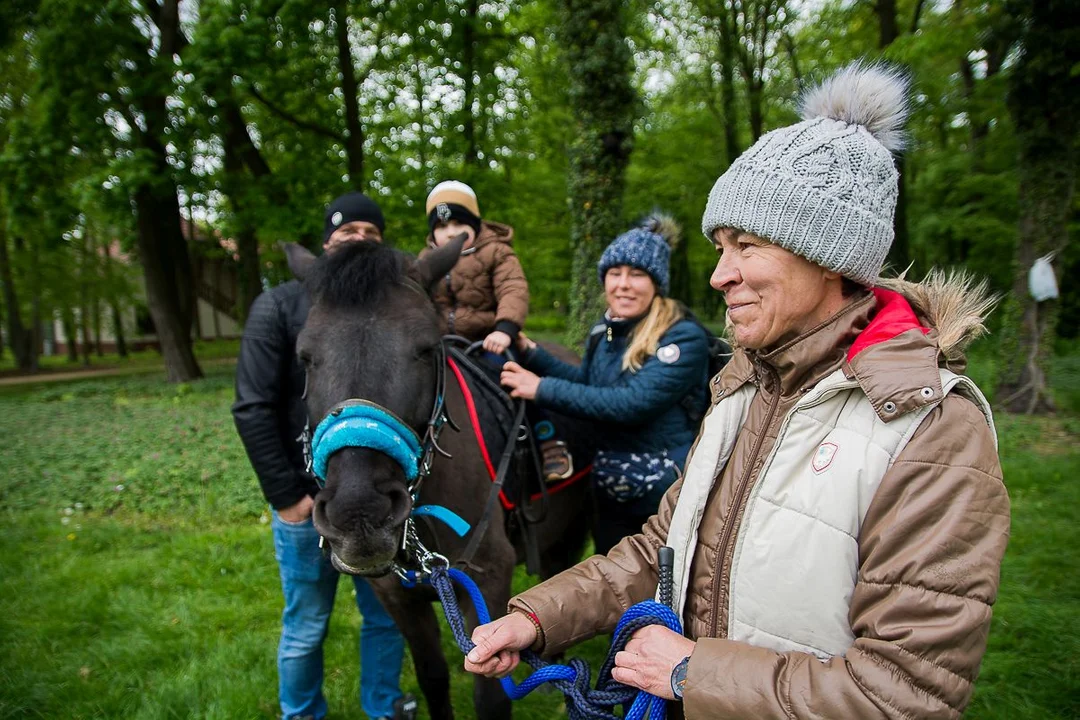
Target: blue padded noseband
(359, 423)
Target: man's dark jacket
(269, 409)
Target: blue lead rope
(582, 701)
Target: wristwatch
(678, 677)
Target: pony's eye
(305, 357)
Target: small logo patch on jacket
(824, 456)
(668, 354)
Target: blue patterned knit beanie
(646, 247)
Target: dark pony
(373, 334)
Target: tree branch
(915, 17)
(292, 119)
(789, 45)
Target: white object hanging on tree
(1041, 281)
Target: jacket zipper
(721, 549)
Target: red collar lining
(894, 316)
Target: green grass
(204, 350)
(137, 576)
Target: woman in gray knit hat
(839, 529)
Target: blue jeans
(309, 583)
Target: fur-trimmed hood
(953, 303)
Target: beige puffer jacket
(915, 562)
(486, 290)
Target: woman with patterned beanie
(643, 381)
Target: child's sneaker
(558, 464)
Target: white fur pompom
(873, 96)
(665, 226)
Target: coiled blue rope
(583, 702)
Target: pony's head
(372, 334)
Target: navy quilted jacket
(636, 411)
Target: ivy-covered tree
(602, 98)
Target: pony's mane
(356, 274)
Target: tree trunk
(114, 306)
(727, 90)
(84, 326)
(84, 298)
(1044, 101)
(71, 334)
(602, 98)
(468, 70)
(97, 327)
(247, 242)
(421, 121)
(36, 332)
(754, 95)
(96, 279)
(162, 251)
(19, 336)
(900, 252)
(354, 131)
(888, 29)
(118, 330)
(682, 283)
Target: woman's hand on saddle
(521, 382)
(498, 645)
(297, 512)
(649, 659)
(497, 342)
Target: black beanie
(444, 212)
(351, 207)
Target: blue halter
(359, 423)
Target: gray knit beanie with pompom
(824, 188)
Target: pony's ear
(440, 261)
(300, 259)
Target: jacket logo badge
(668, 354)
(824, 456)
(335, 219)
(442, 211)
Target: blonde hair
(663, 313)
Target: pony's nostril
(400, 506)
(321, 519)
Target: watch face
(678, 678)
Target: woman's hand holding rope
(499, 645)
(649, 659)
